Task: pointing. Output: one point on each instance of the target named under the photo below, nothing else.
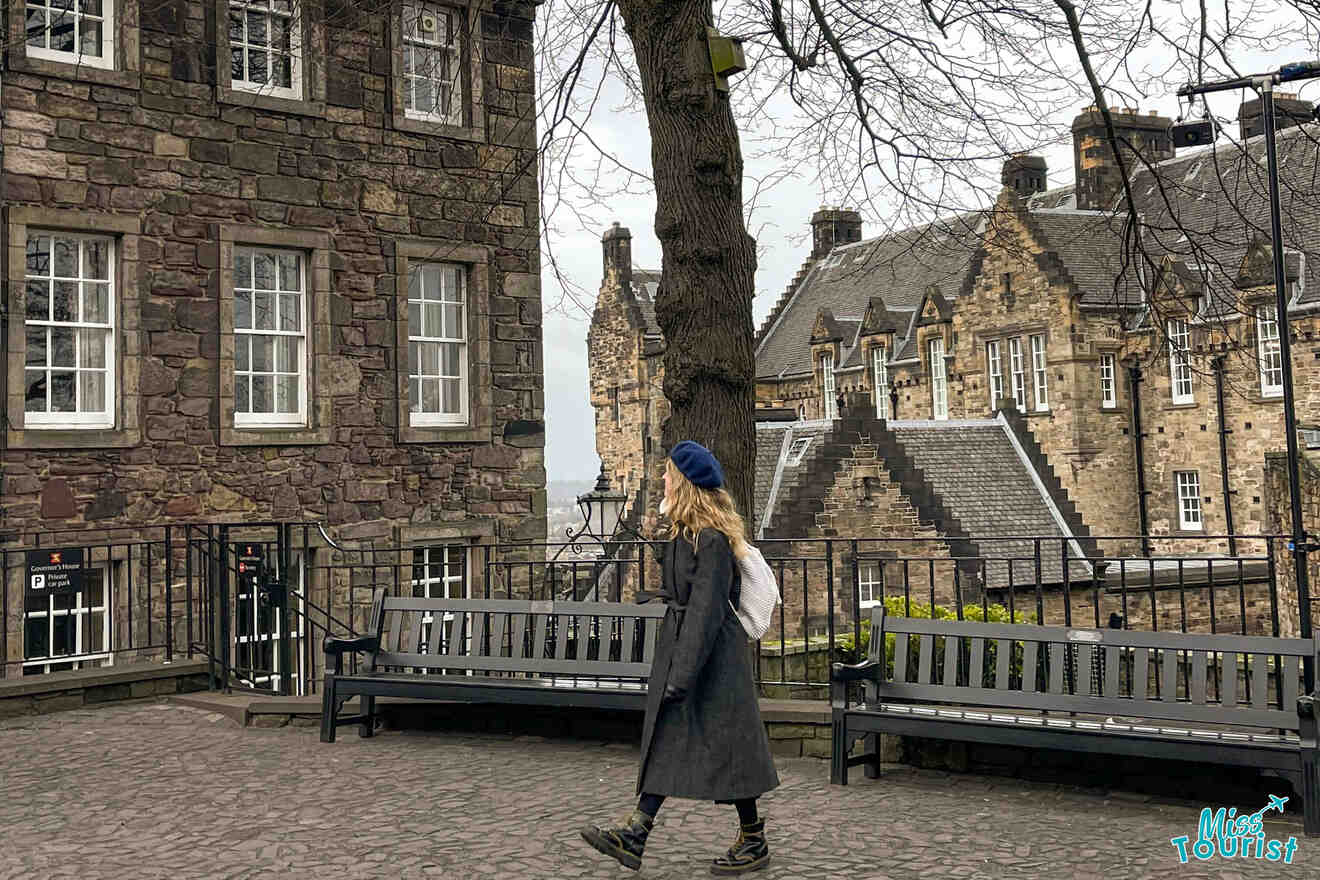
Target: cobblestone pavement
(155, 790)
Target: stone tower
(833, 226)
(1099, 181)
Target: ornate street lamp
(602, 510)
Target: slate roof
(773, 467)
(1090, 246)
(899, 267)
(1221, 196)
(645, 283)
(984, 480)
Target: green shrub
(895, 606)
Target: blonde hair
(692, 509)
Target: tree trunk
(704, 305)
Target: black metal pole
(1134, 381)
(1285, 356)
(1224, 431)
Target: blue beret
(696, 462)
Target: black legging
(650, 805)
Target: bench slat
(561, 635)
(1290, 671)
(395, 618)
(413, 640)
(1003, 663)
(1113, 660)
(1121, 637)
(1140, 673)
(437, 630)
(457, 642)
(1169, 675)
(524, 606)
(1152, 709)
(976, 663)
(1228, 680)
(1198, 695)
(925, 651)
(900, 656)
(650, 636)
(1260, 691)
(478, 635)
(498, 624)
(567, 668)
(1030, 668)
(538, 639)
(629, 636)
(1056, 668)
(952, 649)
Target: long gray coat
(710, 744)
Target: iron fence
(181, 590)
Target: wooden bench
(493, 651)
(1232, 699)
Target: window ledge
(258, 101)
(72, 438)
(1177, 406)
(274, 436)
(403, 122)
(124, 79)
(445, 434)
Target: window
(437, 346)
(439, 572)
(1039, 379)
(614, 404)
(797, 450)
(939, 390)
(880, 381)
(1108, 391)
(265, 47)
(870, 584)
(68, 630)
(270, 338)
(1267, 346)
(1180, 365)
(827, 377)
(432, 64)
(69, 357)
(74, 33)
(277, 376)
(1019, 374)
(1189, 500)
(996, 373)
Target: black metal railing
(177, 590)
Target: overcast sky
(780, 223)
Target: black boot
(748, 853)
(625, 843)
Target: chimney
(1289, 111)
(1024, 173)
(833, 226)
(616, 244)
(1099, 183)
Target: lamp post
(602, 520)
(1264, 84)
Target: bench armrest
(866, 670)
(335, 646)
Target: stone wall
(168, 147)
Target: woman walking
(702, 738)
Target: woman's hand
(672, 694)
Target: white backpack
(759, 595)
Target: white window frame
(452, 555)
(417, 417)
(1268, 353)
(106, 60)
(797, 449)
(298, 418)
(97, 655)
(294, 90)
(995, 365)
(105, 418)
(880, 380)
(1180, 362)
(1017, 368)
(1040, 374)
(1191, 517)
(939, 380)
(827, 380)
(453, 48)
(870, 583)
(1108, 388)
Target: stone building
(1146, 381)
(271, 262)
